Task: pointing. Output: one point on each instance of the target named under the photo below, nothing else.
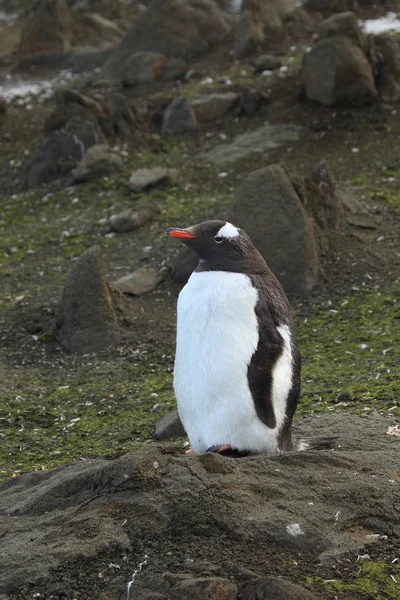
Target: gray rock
(345, 24)
(98, 161)
(184, 30)
(266, 62)
(179, 117)
(251, 100)
(141, 281)
(260, 20)
(86, 60)
(331, 6)
(49, 30)
(272, 588)
(214, 106)
(336, 71)
(130, 219)
(266, 138)
(144, 179)
(268, 208)
(388, 71)
(169, 426)
(204, 588)
(84, 507)
(146, 67)
(85, 317)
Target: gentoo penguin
(237, 365)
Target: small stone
(144, 179)
(141, 281)
(130, 219)
(169, 427)
(214, 106)
(251, 100)
(343, 397)
(179, 117)
(204, 588)
(274, 589)
(98, 161)
(266, 62)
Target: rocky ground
(86, 356)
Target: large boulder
(336, 71)
(184, 29)
(95, 31)
(49, 30)
(268, 208)
(147, 67)
(260, 21)
(86, 319)
(387, 50)
(60, 529)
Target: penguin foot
(190, 451)
(219, 449)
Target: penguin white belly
(217, 334)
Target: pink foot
(191, 451)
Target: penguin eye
(218, 240)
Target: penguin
(237, 362)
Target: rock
(205, 588)
(260, 21)
(61, 151)
(86, 319)
(337, 498)
(145, 179)
(266, 62)
(272, 588)
(184, 30)
(251, 100)
(94, 30)
(3, 106)
(179, 117)
(49, 30)
(268, 208)
(345, 24)
(214, 106)
(388, 75)
(331, 6)
(67, 96)
(87, 60)
(129, 219)
(98, 161)
(263, 139)
(336, 71)
(146, 67)
(121, 117)
(141, 281)
(169, 426)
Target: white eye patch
(228, 231)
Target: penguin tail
(315, 443)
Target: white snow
(389, 22)
(20, 91)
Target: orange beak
(182, 234)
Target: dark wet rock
(130, 219)
(98, 161)
(68, 96)
(299, 23)
(49, 30)
(331, 6)
(86, 319)
(266, 62)
(345, 24)
(206, 588)
(86, 60)
(169, 426)
(212, 107)
(120, 116)
(332, 499)
(145, 179)
(336, 71)
(179, 117)
(146, 67)
(260, 21)
(61, 151)
(3, 106)
(388, 68)
(184, 30)
(251, 100)
(272, 588)
(141, 281)
(268, 208)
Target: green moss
(351, 347)
(374, 580)
(382, 185)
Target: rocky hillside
(118, 120)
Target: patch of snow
(389, 22)
(294, 529)
(21, 91)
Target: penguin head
(216, 242)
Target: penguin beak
(182, 234)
